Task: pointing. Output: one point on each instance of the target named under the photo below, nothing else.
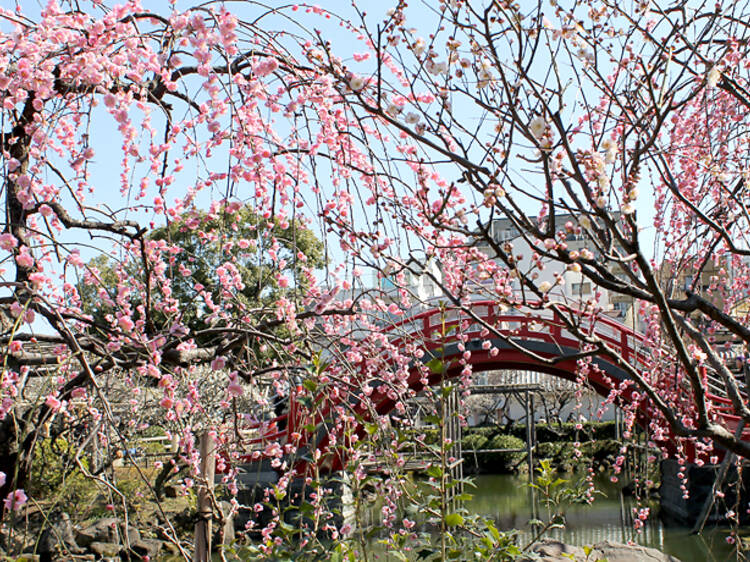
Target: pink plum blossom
(15, 500)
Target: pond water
(507, 500)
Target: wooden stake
(203, 530)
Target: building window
(505, 234)
(581, 288)
(621, 308)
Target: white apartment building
(575, 285)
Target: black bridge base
(256, 484)
(730, 497)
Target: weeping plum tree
(152, 140)
(160, 140)
(590, 144)
(621, 128)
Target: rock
(146, 547)
(618, 552)
(103, 530)
(549, 550)
(171, 547)
(105, 549)
(134, 535)
(58, 539)
(12, 542)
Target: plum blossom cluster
(15, 499)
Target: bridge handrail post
(556, 329)
(490, 314)
(624, 345)
(426, 325)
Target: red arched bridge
(487, 337)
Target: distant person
(739, 363)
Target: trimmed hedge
(494, 463)
(474, 441)
(500, 463)
(554, 432)
(554, 441)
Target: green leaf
(310, 385)
(447, 389)
(371, 428)
(454, 519)
(434, 471)
(435, 366)
(587, 550)
(493, 531)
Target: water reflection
(506, 499)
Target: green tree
(265, 259)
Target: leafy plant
(555, 494)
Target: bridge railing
(440, 325)
(544, 325)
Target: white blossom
(419, 46)
(453, 44)
(393, 110)
(610, 150)
(412, 118)
(356, 83)
(315, 54)
(713, 76)
(608, 144)
(484, 79)
(436, 68)
(585, 54)
(537, 127)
